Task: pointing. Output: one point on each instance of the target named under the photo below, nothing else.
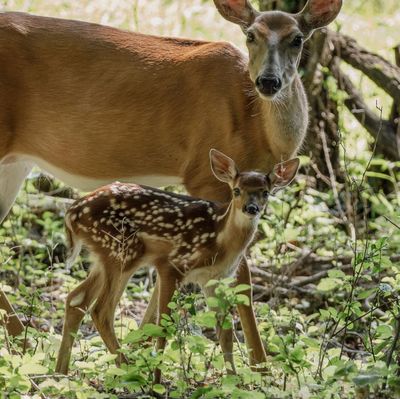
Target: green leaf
(134, 336)
(367, 379)
(134, 377)
(227, 323)
(297, 354)
(378, 175)
(152, 330)
(242, 299)
(241, 288)
(384, 331)
(230, 381)
(114, 371)
(327, 284)
(242, 394)
(311, 342)
(325, 315)
(158, 388)
(207, 319)
(172, 305)
(336, 273)
(197, 344)
(198, 393)
(107, 358)
(32, 368)
(365, 293)
(212, 302)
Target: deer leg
(77, 304)
(167, 285)
(225, 337)
(11, 320)
(12, 175)
(103, 312)
(252, 337)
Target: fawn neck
(235, 229)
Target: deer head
(275, 39)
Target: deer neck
(286, 120)
(235, 229)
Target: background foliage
(327, 286)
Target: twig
(332, 178)
(394, 343)
(391, 221)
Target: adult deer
(126, 226)
(131, 107)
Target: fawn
(127, 226)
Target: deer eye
(250, 37)
(297, 41)
(236, 192)
(265, 194)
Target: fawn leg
(254, 344)
(103, 312)
(77, 304)
(225, 337)
(167, 286)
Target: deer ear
(318, 13)
(239, 12)
(283, 174)
(223, 167)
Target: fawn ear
(239, 12)
(283, 174)
(318, 13)
(223, 167)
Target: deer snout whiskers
(269, 85)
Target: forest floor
(326, 283)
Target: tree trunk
(322, 142)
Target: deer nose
(251, 209)
(268, 84)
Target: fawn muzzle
(252, 209)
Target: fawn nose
(251, 209)
(268, 84)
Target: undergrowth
(326, 280)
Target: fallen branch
(387, 144)
(40, 203)
(379, 70)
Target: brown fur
(84, 100)
(124, 104)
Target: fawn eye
(236, 192)
(297, 41)
(250, 37)
(265, 194)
